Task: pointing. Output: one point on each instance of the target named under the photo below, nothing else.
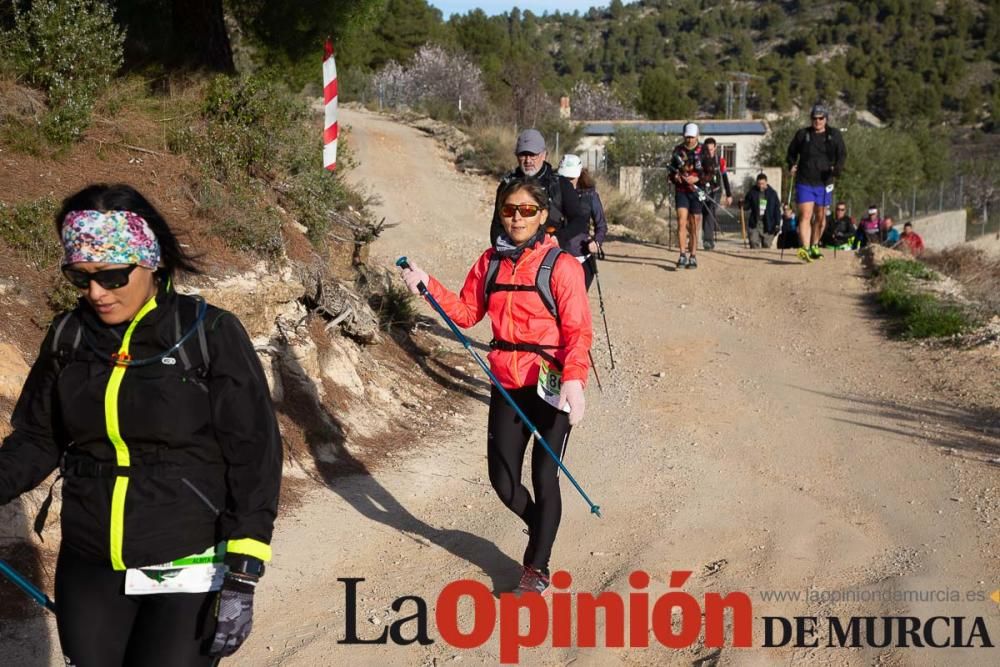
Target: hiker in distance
(156, 410)
(586, 247)
(816, 157)
(716, 183)
(763, 207)
(686, 172)
(535, 297)
(567, 220)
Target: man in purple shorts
(816, 157)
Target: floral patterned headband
(115, 237)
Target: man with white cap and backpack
(686, 172)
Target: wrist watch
(246, 565)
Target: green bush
(921, 315)
(394, 306)
(247, 123)
(62, 296)
(70, 49)
(908, 267)
(239, 216)
(28, 229)
(634, 148)
(311, 193)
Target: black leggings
(100, 626)
(507, 441)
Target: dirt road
(758, 430)
(759, 433)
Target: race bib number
(549, 384)
(199, 573)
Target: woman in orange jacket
(537, 302)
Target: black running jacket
(160, 461)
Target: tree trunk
(200, 35)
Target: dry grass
(638, 217)
(493, 150)
(977, 271)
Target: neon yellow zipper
(122, 457)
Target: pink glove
(572, 394)
(413, 276)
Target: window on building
(728, 151)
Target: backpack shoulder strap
(543, 280)
(67, 337)
(491, 276)
(182, 322)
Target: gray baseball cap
(819, 110)
(530, 141)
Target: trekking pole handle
(404, 263)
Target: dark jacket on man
(839, 231)
(820, 157)
(189, 456)
(772, 211)
(566, 214)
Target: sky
(449, 7)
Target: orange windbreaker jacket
(521, 317)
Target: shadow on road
(970, 429)
(351, 479)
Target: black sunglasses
(108, 278)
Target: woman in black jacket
(584, 245)
(156, 410)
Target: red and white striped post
(330, 130)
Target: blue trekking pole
(403, 264)
(15, 578)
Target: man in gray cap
(816, 157)
(567, 218)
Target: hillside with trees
(903, 61)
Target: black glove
(233, 613)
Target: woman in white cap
(686, 171)
(586, 244)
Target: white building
(738, 141)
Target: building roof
(706, 127)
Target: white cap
(690, 129)
(571, 166)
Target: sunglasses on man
(108, 278)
